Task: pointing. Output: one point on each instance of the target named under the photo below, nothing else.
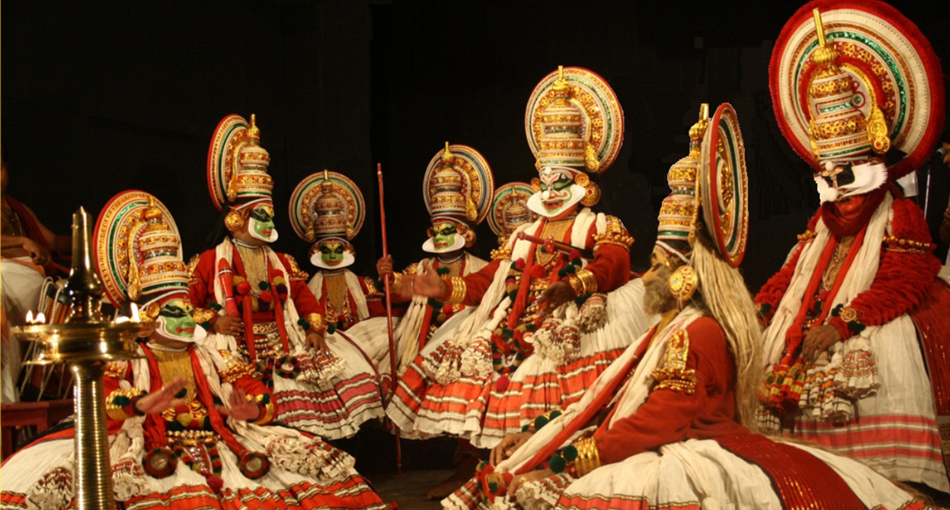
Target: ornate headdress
(852, 80)
(458, 188)
(138, 253)
(237, 169)
(327, 206)
(509, 209)
(574, 123)
(709, 192)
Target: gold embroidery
(294, 273)
(192, 265)
(556, 230)
(370, 284)
(674, 375)
(615, 233)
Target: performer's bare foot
(451, 484)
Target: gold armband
(458, 288)
(203, 315)
(502, 253)
(807, 237)
(899, 245)
(673, 374)
(397, 280)
(614, 233)
(588, 456)
(120, 404)
(235, 368)
(294, 273)
(116, 369)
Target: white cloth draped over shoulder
(334, 405)
(689, 474)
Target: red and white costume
(325, 393)
(490, 371)
(188, 456)
(879, 394)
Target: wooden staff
(550, 245)
(389, 316)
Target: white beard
(867, 177)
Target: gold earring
(234, 221)
(683, 283)
(591, 195)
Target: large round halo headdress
(510, 201)
(458, 187)
(886, 75)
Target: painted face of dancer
(443, 236)
(331, 253)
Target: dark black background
(105, 96)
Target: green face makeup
(443, 235)
(263, 221)
(331, 253)
(178, 320)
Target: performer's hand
(241, 408)
(520, 480)
(227, 325)
(384, 267)
(39, 254)
(162, 399)
(818, 339)
(507, 446)
(317, 342)
(555, 295)
(429, 283)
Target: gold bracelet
(317, 325)
(576, 285)
(267, 410)
(588, 456)
(588, 280)
(458, 290)
(397, 281)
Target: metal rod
(389, 315)
(93, 476)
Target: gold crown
(330, 212)
(838, 129)
(155, 264)
(563, 142)
(679, 209)
(249, 180)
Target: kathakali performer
(183, 434)
(508, 361)
(266, 317)
(662, 427)
(457, 189)
(327, 210)
(509, 210)
(857, 316)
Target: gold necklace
(255, 267)
(174, 365)
(336, 291)
(552, 229)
